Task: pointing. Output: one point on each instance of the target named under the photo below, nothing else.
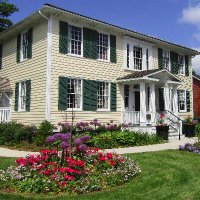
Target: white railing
(132, 117)
(4, 114)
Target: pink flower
(69, 178)
(46, 172)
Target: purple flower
(65, 136)
(64, 145)
(77, 142)
(89, 129)
(85, 138)
(58, 136)
(50, 139)
(91, 123)
(82, 147)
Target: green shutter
(178, 99)
(16, 96)
(63, 37)
(174, 62)
(186, 66)
(62, 89)
(113, 56)
(18, 48)
(28, 95)
(1, 55)
(30, 41)
(161, 99)
(188, 100)
(160, 58)
(89, 95)
(90, 43)
(113, 97)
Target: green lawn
(165, 175)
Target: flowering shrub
(79, 171)
(161, 121)
(189, 120)
(92, 126)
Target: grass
(165, 175)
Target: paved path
(172, 144)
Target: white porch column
(175, 102)
(166, 97)
(143, 120)
(152, 105)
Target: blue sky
(177, 21)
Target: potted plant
(162, 128)
(189, 127)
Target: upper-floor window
(74, 92)
(166, 59)
(24, 46)
(103, 46)
(181, 66)
(22, 96)
(74, 40)
(103, 95)
(137, 55)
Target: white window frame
(167, 51)
(81, 95)
(69, 47)
(109, 96)
(182, 65)
(21, 46)
(20, 109)
(144, 45)
(108, 52)
(185, 110)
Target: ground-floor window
(22, 96)
(103, 96)
(182, 100)
(126, 96)
(74, 93)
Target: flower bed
(70, 167)
(195, 148)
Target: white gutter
(49, 62)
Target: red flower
(80, 163)
(70, 170)
(112, 163)
(53, 176)
(109, 155)
(21, 162)
(63, 183)
(78, 172)
(69, 178)
(46, 172)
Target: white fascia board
(138, 79)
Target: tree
(6, 9)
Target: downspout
(48, 69)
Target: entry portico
(146, 94)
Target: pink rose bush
(68, 166)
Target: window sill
(24, 60)
(103, 110)
(181, 74)
(74, 109)
(136, 70)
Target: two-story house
(55, 60)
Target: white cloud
(191, 15)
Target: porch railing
(132, 117)
(4, 114)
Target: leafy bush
(115, 139)
(70, 168)
(45, 129)
(13, 133)
(197, 130)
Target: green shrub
(197, 130)
(45, 129)
(13, 133)
(115, 139)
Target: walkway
(172, 144)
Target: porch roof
(153, 75)
(5, 85)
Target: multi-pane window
(182, 100)
(22, 96)
(148, 98)
(126, 96)
(24, 46)
(103, 95)
(181, 67)
(127, 56)
(137, 57)
(166, 60)
(103, 46)
(147, 59)
(74, 93)
(74, 40)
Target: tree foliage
(6, 9)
